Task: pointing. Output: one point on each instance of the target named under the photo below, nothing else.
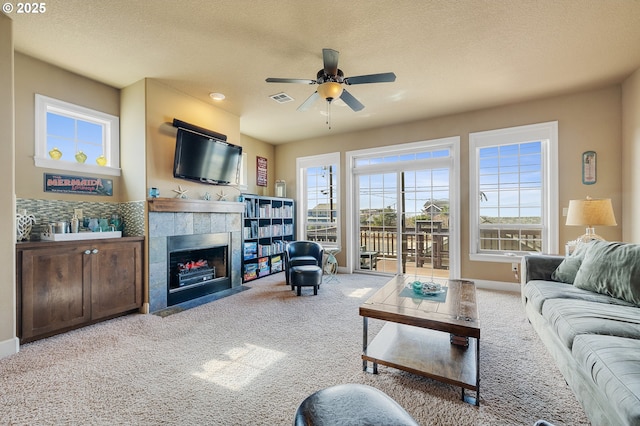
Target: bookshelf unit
(268, 224)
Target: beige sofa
(585, 308)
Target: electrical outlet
(78, 213)
(514, 267)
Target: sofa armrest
(538, 267)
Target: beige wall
(163, 104)
(586, 121)
(8, 341)
(34, 76)
(255, 148)
(132, 141)
(631, 157)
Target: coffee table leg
(469, 399)
(365, 333)
(478, 371)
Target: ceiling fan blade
(353, 103)
(386, 77)
(330, 58)
(310, 101)
(290, 80)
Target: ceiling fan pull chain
(329, 114)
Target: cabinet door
(55, 290)
(116, 278)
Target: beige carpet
(251, 358)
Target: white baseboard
(9, 347)
(496, 285)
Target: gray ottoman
(306, 276)
(351, 404)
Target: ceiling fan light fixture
(330, 90)
(217, 96)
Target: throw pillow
(611, 268)
(567, 270)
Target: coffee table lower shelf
(427, 353)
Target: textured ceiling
(449, 56)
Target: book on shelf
(250, 271)
(276, 264)
(249, 208)
(250, 250)
(263, 266)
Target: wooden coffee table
(419, 333)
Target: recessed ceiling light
(217, 96)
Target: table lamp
(590, 212)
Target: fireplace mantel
(181, 205)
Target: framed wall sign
(261, 171)
(589, 175)
(78, 184)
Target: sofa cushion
(570, 318)
(613, 363)
(537, 292)
(568, 268)
(611, 268)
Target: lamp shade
(591, 212)
(330, 90)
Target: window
(318, 213)
(513, 192)
(74, 138)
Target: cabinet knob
(87, 252)
(94, 251)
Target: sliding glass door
(404, 204)
(378, 210)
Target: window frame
(451, 143)
(302, 164)
(110, 142)
(547, 134)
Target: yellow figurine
(55, 153)
(81, 157)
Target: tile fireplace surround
(170, 217)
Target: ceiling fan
(330, 80)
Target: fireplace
(197, 265)
(183, 219)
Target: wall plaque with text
(261, 171)
(78, 184)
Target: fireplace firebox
(197, 265)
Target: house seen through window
(319, 219)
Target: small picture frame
(589, 174)
(281, 189)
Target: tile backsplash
(47, 211)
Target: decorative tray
(80, 236)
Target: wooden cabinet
(268, 226)
(66, 285)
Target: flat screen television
(206, 159)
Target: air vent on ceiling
(281, 98)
